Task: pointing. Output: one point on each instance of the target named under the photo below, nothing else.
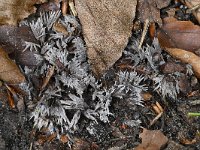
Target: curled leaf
(186, 57)
(179, 34)
(9, 72)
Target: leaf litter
(63, 97)
(105, 37)
(152, 140)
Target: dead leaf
(188, 142)
(195, 10)
(12, 40)
(51, 137)
(80, 144)
(65, 7)
(162, 3)
(46, 138)
(150, 9)
(11, 100)
(9, 72)
(20, 104)
(64, 139)
(146, 96)
(16, 97)
(179, 34)
(184, 84)
(58, 27)
(186, 57)
(152, 30)
(171, 12)
(171, 67)
(13, 11)
(152, 140)
(51, 5)
(106, 26)
(49, 74)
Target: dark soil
(16, 128)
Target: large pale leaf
(13, 11)
(106, 26)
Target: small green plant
(193, 114)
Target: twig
(193, 8)
(156, 118)
(146, 26)
(65, 7)
(159, 110)
(31, 146)
(72, 8)
(159, 106)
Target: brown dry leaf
(80, 144)
(64, 138)
(12, 40)
(146, 96)
(106, 26)
(65, 7)
(46, 138)
(11, 100)
(152, 140)
(184, 84)
(188, 142)
(150, 9)
(9, 72)
(171, 67)
(58, 27)
(192, 4)
(49, 74)
(20, 104)
(13, 11)
(179, 34)
(186, 57)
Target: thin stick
(31, 146)
(146, 26)
(65, 7)
(159, 106)
(194, 8)
(72, 8)
(155, 119)
(156, 109)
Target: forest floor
(163, 116)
